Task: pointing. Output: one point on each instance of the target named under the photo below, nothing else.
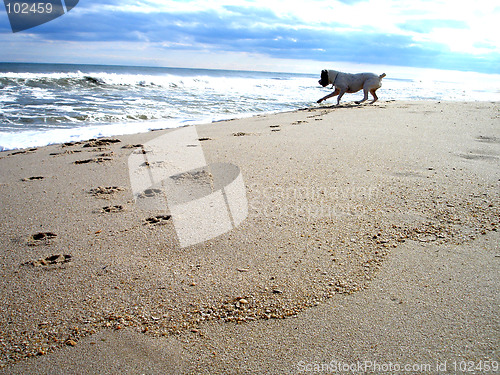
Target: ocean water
(53, 103)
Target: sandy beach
(371, 236)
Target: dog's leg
(336, 92)
(342, 92)
(364, 98)
(375, 97)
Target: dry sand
(372, 229)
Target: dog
(346, 82)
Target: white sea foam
(33, 138)
(52, 107)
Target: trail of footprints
(316, 117)
(46, 238)
(106, 192)
(101, 192)
(96, 144)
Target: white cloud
(216, 33)
(479, 17)
(381, 16)
(386, 16)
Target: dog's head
(324, 81)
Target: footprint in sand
(240, 134)
(160, 219)
(93, 160)
(22, 152)
(50, 260)
(100, 142)
(105, 192)
(70, 144)
(487, 139)
(116, 208)
(316, 117)
(33, 178)
(107, 154)
(66, 152)
(41, 238)
(478, 155)
(149, 193)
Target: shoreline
(148, 125)
(152, 127)
(332, 193)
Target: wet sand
(371, 235)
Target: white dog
(346, 82)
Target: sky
(268, 35)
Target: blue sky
(267, 34)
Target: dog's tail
(381, 76)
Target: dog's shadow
(342, 106)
